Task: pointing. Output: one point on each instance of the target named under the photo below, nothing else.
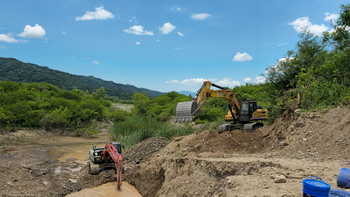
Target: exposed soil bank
(271, 161)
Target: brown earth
(242, 163)
(31, 167)
(271, 161)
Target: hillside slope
(15, 70)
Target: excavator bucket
(186, 111)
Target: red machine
(109, 156)
(110, 152)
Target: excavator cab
(247, 110)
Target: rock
(280, 179)
(178, 139)
(297, 110)
(304, 139)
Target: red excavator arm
(110, 152)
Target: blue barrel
(344, 178)
(338, 193)
(312, 187)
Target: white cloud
(180, 34)
(302, 22)
(241, 57)
(228, 82)
(260, 79)
(7, 38)
(179, 48)
(133, 19)
(99, 14)
(176, 9)
(2, 47)
(330, 16)
(278, 63)
(167, 28)
(196, 81)
(282, 44)
(172, 81)
(33, 32)
(137, 43)
(64, 33)
(96, 62)
(193, 81)
(247, 79)
(138, 30)
(157, 40)
(201, 16)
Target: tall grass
(136, 129)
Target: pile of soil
(144, 150)
(271, 161)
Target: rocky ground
(271, 161)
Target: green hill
(15, 70)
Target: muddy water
(80, 154)
(108, 189)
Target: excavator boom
(110, 152)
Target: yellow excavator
(241, 112)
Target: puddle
(108, 189)
(80, 153)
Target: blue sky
(160, 44)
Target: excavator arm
(186, 111)
(110, 152)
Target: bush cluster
(34, 105)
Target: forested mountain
(15, 70)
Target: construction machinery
(241, 112)
(109, 156)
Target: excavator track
(224, 127)
(94, 168)
(253, 126)
(231, 126)
(186, 111)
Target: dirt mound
(271, 161)
(144, 150)
(318, 135)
